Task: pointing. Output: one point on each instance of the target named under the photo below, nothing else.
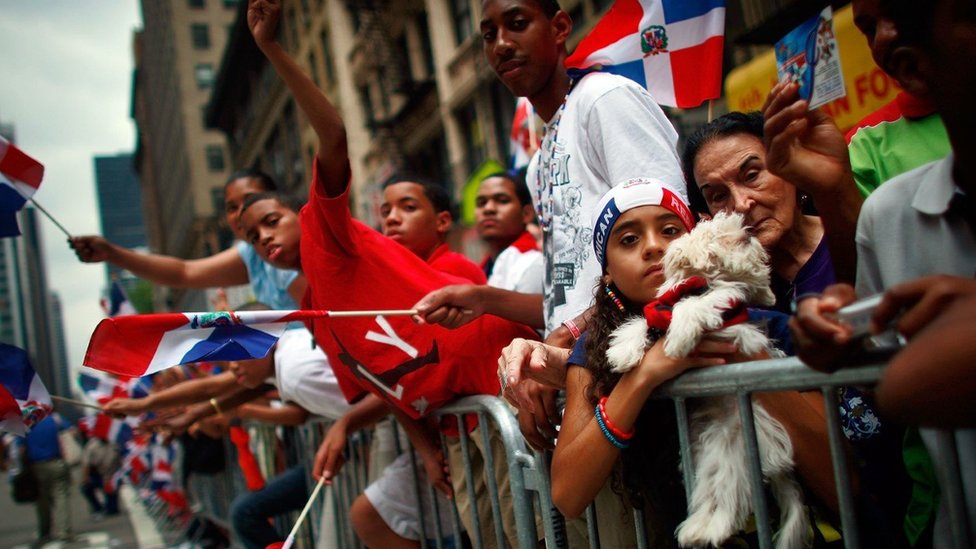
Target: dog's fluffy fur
(735, 265)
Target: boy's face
(274, 231)
(409, 218)
(252, 373)
(499, 215)
(522, 45)
(949, 70)
(234, 195)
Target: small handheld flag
(23, 398)
(671, 47)
(20, 176)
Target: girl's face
(635, 248)
(234, 195)
(275, 232)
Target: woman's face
(234, 195)
(731, 173)
(635, 248)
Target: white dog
(726, 268)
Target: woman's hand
(531, 373)
(804, 147)
(821, 341)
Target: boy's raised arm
(333, 154)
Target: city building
(181, 163)
(119, 205)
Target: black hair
(439, 196)
(914, 20)
(266, 182)
(517, 177)
(647, 474)
(291, 202)
(750, 123)
(549, 7)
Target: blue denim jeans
(250, 512)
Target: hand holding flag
(23, 398)
(137, 345)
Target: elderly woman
(725, 169)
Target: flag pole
(711, 109)
(43, 211)
(290, 540)
(76, 402)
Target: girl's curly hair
(648, 474)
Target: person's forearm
(226, 402)
(223, 269)
(423, 439)
(514, 306)
(333, 151)
(290, 414)
(189, 392)
(584, 458)
(839, 213)
(365, 413)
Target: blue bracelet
(606, 432)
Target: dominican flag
(524, 139)
(23, 398)
(671, 47)
(107, 428)
(20, 176)
(117, 303)
(138, 345)
(102, 389)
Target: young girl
(609, 426)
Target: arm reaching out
(181, 394)
(333, 155)
(223, 269)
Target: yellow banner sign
(868, 87)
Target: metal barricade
(742, 380)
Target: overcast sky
(65, 77)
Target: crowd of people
(876, 212)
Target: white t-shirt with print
(303, 375)
(518, 269)
(609, 131)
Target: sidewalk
(18, 524)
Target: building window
(200, 36)
(313, 67)
(231, 3)
(204, 73)
(215, 158)
(461, 15)
(474, 142)
(195, 4)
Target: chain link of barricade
(527, 471)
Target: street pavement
(18, 524)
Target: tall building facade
(119, 204)
(182, 164)
(26, 318)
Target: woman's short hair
(733, 123)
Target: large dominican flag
(671, 47)
(23, 398)
(20, 176)
(137, 345)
